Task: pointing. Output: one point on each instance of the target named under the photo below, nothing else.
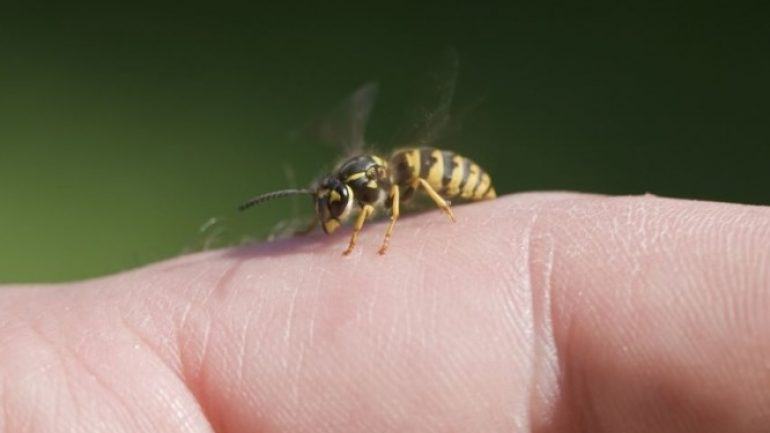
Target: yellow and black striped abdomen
(450, 174)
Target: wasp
(365, 181)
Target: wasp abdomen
(450, 174)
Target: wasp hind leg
(366, 211)
(394, 212)
(440, 202)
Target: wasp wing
(345, 126)
(236, 228)
(429, 119)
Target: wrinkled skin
(533, 313)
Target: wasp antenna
(271, 195)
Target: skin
(533, 313)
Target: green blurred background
(124, 127)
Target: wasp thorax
(334, 200)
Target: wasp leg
(366, 211)
(394, 212)
(440, 202)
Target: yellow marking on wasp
(355, 176)
(378, 160)
(372, 184)
(440, 202)
(472, 180)
(491, 194)
(394, 212)
(483, 185)
(366, 211)
(331, 225)
(436, 172)
(413, 161)
(334, 196)
(453, 187)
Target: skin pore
(541, 312)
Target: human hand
(533, 313)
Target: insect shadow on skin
(365, 181)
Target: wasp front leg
(366, 211)
(394, 212)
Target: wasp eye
(338, 201)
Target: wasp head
(333, 202)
